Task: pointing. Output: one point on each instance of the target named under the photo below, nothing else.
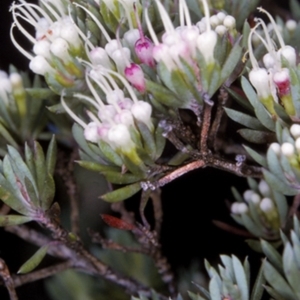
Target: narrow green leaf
(119, 178)
(244, 119)
(12, 220)
(256, 156)
(214, 289)
(282, 206)
(256, 136)
(110, 154)
(48, 192)
(97, 167)
(278, 184)
(274, 294)
(278, 282)
(7, 136)
(122, 193)
(51, 156)
(160, 142)
(148, 139)
(34, 261)
(227, 262)
(272, 254)
(240, 278)
(162, 94)
(258, 287)
(40, 93)
(259, 109)
(231, 62)
(291, 270)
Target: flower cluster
(272, 82)
(120, 121)
(56, 44)
(261, 210)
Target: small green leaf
(34, 261)
(97, 167)
(12, 220)
(162, 94)
(122, 193)
(278, 184)
(258, 287)
(278, 282)
(51, 156)
(244, 119)
(110, 154)
(240, 278)
(40, 93)
(119, 178)
(273, 256)
(256, 136)
(256, 156)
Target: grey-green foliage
(23, 114)
(26, 184)
(282, 272)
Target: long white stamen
(106, 91)
(88, 99)
(186, 13)
(106, 35)
(27, 15)
(22, 50)
(72, 115)
(93, 117)
(279, 36)
(181, 14)
(103, 84)
(165, 17)
(23, 30)
(29, 8)
(126, 84)
(250, 49)
(81, 34)
(51, 10)
(206, 13)
(150, 29)
(93, 91)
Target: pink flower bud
(282, 81)
(144, 51)
(135, 75)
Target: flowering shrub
(142, 92)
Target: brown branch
(222, 99)
(179, 172)
(41, 274)
(157, 209)
(295, 205)
(232, 229)
(79, 257)
(66, 171)
(205, 129)
(8, 281)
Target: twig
(179, 172)
(294, 207)
(157, 209)
(109, 244)
(222, 99)
(5, 275)
(66, 171)
(232, 229)
(205, 129)
(41, 274)
(79, 257)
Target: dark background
(190, 203)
